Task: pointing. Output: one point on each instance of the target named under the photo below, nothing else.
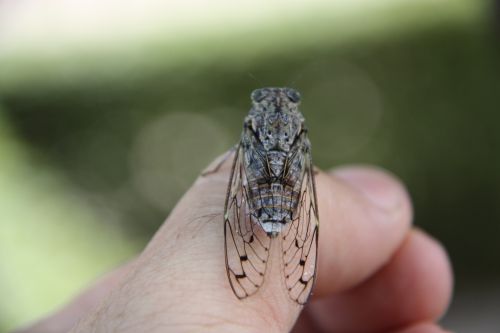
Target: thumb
(179, 282)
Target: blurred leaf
(51, 241)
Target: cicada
(271, 198)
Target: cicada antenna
(253, 77)
(298, 76)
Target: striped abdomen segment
(273, 202)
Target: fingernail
(378, 186)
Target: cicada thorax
(274, 182)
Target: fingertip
(436, 292)
(420, 279)
(413, 287)
(380, 187)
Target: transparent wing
(300, 241)
(246, 244)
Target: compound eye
(258, 95)
(293, 95)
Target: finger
(181, 275)
(64, 319)
(415, 286)
(422, 328)
(365, 214)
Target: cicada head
(275, 117)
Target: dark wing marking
(246, 245)
(300, 240)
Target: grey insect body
(274, 147)
(271, 196)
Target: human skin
(376, 273)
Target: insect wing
(246, 245)
(300, 241)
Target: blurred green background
(109, 110)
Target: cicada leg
(211, 169)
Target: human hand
(375, 272)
